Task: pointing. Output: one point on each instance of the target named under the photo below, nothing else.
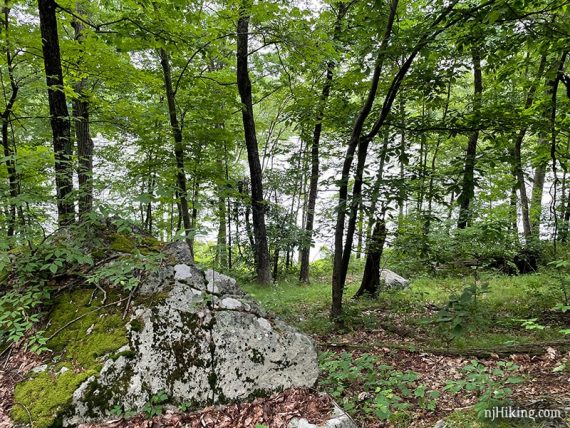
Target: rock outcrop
(197, 338)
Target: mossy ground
(47, 394)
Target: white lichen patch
(182, 272)
(230, 303)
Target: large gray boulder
(392, 281)
(197, 337)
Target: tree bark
(9, 152)
(402, 154)
(428, 216)
(315, 147)
(370, 284)
(262, 258)
(59, 114)
(468, 187)
(182, 190)
(81, 107)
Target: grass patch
(493, 319)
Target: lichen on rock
(204, 342)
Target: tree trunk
(376, 188)
(371, 277)
(221, 246)
(359, 233)
(565, 202)
(262, 259)
(314, 180)
(428, 216)
(540, 170)
(517, 158)
(402, 154)
(468, 187)
(178, 148)
(342, 254)
(83, 135)
(9, 153)
(59, 114)
(340, 264)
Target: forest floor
(409, 358)
(413, 357)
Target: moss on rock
(96, 334)
(80, 347)
(46, 396)
(125, 243)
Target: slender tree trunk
(59, 114)
(517, 157)
(360, 230)
(221, 247)
(194, 211)
(81, 106)
(565, 200)
(315, 147)
(84, 151)
(228, 208)
(275, 263)
(553, 77)
(520, 184)
(12, 175)
(468, 186)
(553, 148)
(428, 216)
(247, 219)
(9, 153)
(402, 154)
(178, 148)
(262, 258)
(376, 189)
(342, 254)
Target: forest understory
(302, 148)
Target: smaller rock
(392, 280)
(440, 424)
(338, 419)
(220, 283)
(40, 369)
(63, 370)
(90, 330)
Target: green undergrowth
(78, 352)
(494, 318)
